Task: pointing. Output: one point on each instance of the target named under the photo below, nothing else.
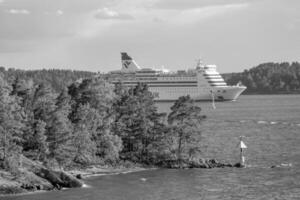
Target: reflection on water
(270, 126)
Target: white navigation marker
(213, 99)
(242, 157)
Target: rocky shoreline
(35, 177)
(196, 163)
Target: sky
(90, 34)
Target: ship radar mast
(200, 64)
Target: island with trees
(55, 122)
(269, 78)
(44, 133)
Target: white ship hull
(227, 93)
(202, 84)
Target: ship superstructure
(202, 83)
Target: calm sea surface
(271, 128)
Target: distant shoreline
(246, 94)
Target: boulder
(238, 165)
(79, 176)
(31, 181)
(28, 187)
(58, 178)
(69, 181)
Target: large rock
(69, 180)
(58, 178)
(30, 181)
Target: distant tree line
(92, 122)
(269, 78)
(58, 79)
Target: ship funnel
(128, 64)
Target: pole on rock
(242, 157)
(213, 99)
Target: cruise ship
(203, 83)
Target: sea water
(270, 125)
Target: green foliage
(39, 140)
(85, 123)
(91, 122)
(185, 119)
(92, 101)
(38, 102)
(56, 78)
(137, 122)
(59, 133)
(43, 102)
(11, 126)
(109, 147)
(269, 78)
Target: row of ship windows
(211, 74)
(175, 90)
(209, 77)
(163, 82)
(177, 78)
(218, 85)
(216, 81)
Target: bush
(12, 164)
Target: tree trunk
(4, 145)
(179, 147)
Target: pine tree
(185, 119)
(137, 122)
(38, 103)
(109, 146)
(86, 123)
(96, 96)
(43, 102)
(11, 126)
(59, 133)
(40, 140)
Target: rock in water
(238, 165)
(69, 181)
(79, 176)
(59, 179)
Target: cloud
(192, 4)
(293, 24)
(195, 15)
(59, 12)
(106, 13)
(19, 11)
(157, 20)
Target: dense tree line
(92, 122)
(269, 78)
(58, 79)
